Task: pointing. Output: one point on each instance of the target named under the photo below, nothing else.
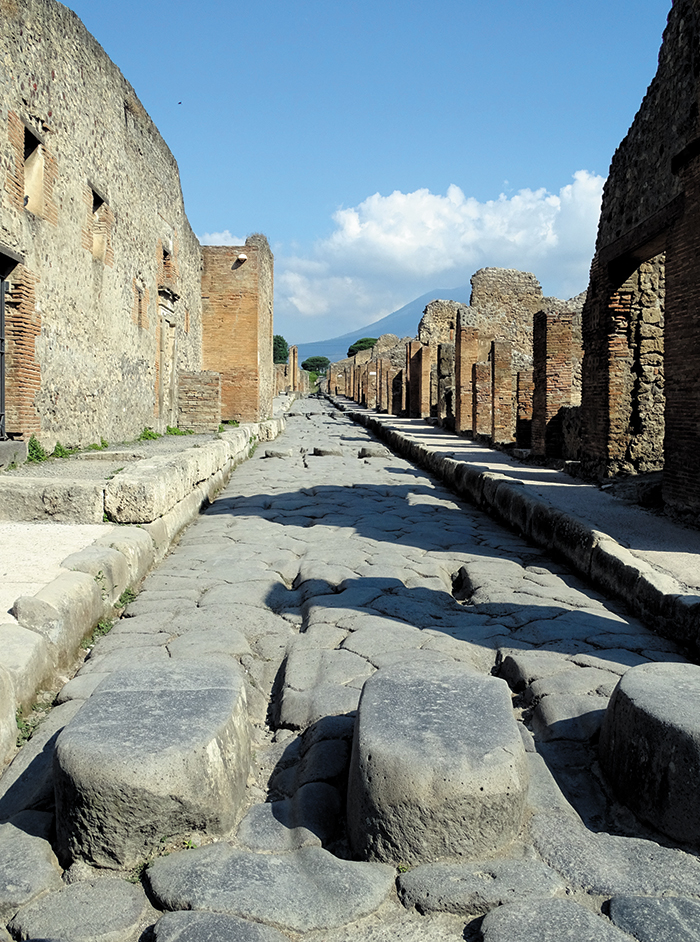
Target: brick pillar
(413, 368)
(397, 390)
(502, 421)
(372, 383)
(294, 368)
(481, 399)
(466, 355)
(681, 480)
(424, 397)
(383, 367)
(552, 353)
(523, 422)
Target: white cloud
(390, 249)
(220, 238)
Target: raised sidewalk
(646, 559)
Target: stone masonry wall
(106, 309)
(199, 401)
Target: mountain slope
(403, 323)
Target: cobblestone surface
(312, 572)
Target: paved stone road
(325, 563)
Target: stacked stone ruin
(505, 369)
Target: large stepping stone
(650, 746)
(438, 767)
(657, 920)
(476, 888)
(311, 817)
(548, 921)
(104, 910)
(155, 752)
(211, 927)
(299, 891)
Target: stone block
(438, 766)
(161, 750)
(12, 453)
(548, 921)
(8, 726)
(106, 565)
(212, 927)
(28, 865)
(136, 547)
(657, 920)
(650, 746)
(63, 501)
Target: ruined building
(104, 329)
(641, 323)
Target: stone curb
(655, 597)
(65, 611)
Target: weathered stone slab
(211, 927)
(650, 746)
(155, 751)
(438, 766)
(8, 726)
(548, 921)
(474, 889)
(609, 865)
(28, 865)
(301, 708)
(568, 716)
(657, 920)
(104, 910)
(303, 890)
(63, 501)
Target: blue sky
(389, 147)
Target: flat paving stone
(153, 752)
(105, 910)
(438, 767)
(548, 921)
(211, 927)
(28, 865)
(311, 817)
(657, 920)
(299, 891)
(608, 865)
(476, 888)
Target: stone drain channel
(349, 706)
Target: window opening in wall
(100, 226)
(33, 173)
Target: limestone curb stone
(107, 566)
(657, 597)
(474, 889)
(136, 547)
(548, 921)
(299, 891)
(13, 453)
(58, 500)
(650, 746)
(212, 927)
(162, 750)
(8, 726)
(27, 658)
(106, 910)
(63, 612)
(438, 767)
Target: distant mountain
(403, 323)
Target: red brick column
(681, 480)
(523, 421)
(502, 421)
(466, 355)
(424, 364)
(552, 352)
(413, 378)
(481, 399)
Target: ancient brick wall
(525, 387)
(481, 399)
(502, 413)
(237, 327)
(446, 384)
(199, 401)
(90, 196)
(552, 372)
